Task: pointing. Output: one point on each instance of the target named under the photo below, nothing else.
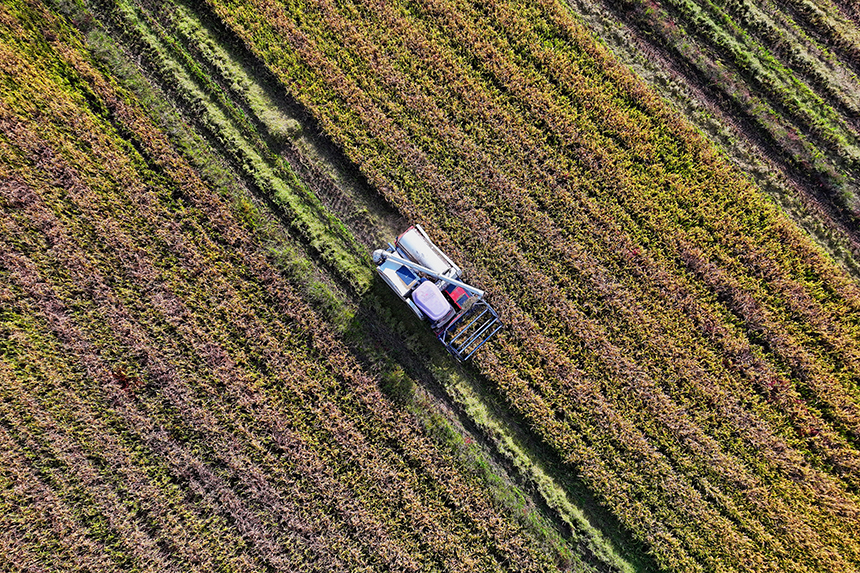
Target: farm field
(200, 371)
(171, 401)
(772, 83)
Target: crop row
(169, 402)
(235, 131)
(678, 342)
(788, 68)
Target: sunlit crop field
(200, 371)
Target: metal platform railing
(471, 330)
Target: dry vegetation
(172, 400)
(672, 337)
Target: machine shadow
(406, 357)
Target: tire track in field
(343, 189)
(287, 128)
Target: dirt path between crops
(314, 158)
(343, 189)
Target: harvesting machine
(429, 282)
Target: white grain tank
(416, 245)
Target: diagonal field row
(169, 400)
(783, 74)
(680, 344)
